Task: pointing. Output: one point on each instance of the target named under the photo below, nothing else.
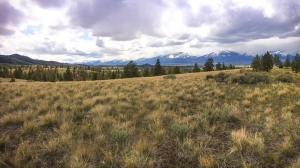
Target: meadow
(186, 121)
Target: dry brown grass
(149, 122)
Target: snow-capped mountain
(174, 58)
(282, 55)
(228, 57)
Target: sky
(84, 30)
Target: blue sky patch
(31, 29)
(86, 36)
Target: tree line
(47, 73)
(267, 61)
(131, 70)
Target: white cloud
(130, 29)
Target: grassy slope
(149, 122)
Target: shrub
(180, 130)
(286, 78)
(170, 77)
(209, 77)
(119, 135)
(249, 78)
(12, 80)
(210, 114)
(244, 71)
(50, 120)
(226, 115)
(223, 115)
(221, 77)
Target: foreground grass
(149, 122)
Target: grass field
(150, 122)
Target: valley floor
(150, 122)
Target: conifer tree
(296, 64)
(218, 66)
(113, 75)
(256, 63)
(18, 72)
(176, 70)
(209, 64)
(267, 62)
(95, 76)
(287, 62)
(158, 68)
(146, 72)
(224, 66)
(131, 70)
(68, 74)
(276, 60)
(231, 66)
(280, 65)
(196, 68)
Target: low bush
(286, 78)
(119, 135)
(12, 80)
(209, 77)
(223, 115)
(180, 130)
(221, 77)
(170, 77)
(249, 78)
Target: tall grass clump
(245, 142)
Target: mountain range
(179, 58)
(228, 57)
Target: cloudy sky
(78, 30)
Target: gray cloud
(100, 43)
(183, 36)
(106, 50)
(52, 48)
(50, 3)
(9, 17)
(81, 53)
(246, 24)
(173, 43)
(205, 15)
(1, 45)
(119, 19)
(4, 31)
(110, 51)
(58, 27)
(124, 20)
(155, 44)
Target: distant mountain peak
(178, 55)
(281, 53)
(248, 54)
